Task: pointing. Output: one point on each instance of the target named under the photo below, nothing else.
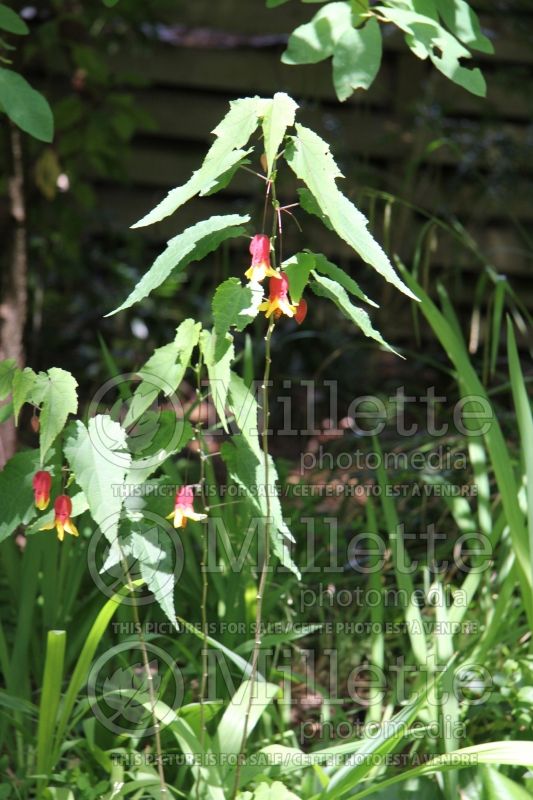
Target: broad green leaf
(310, 158)
(232, 134)
(23, 382)
(99, 460)
(164, 370)
(8, 370)
(231, 727)
(191, 245)
(55, 392)
(230, 304)
(274, 791)
(16, 491)
(325, 267)
(171, 436)
(278, 117)
(154, 552)
(316, 40)
(428, 39)
(499, 787)
(218, 355)
(25, 107)
(357, 59)
(11, 22)
(298, 268)
(463, 22)
(325, 287)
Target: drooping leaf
(99, 460)
(8, 370)
(316, 40)
(27, 108)
(357, 59)
(325, 267)
(55, 392)
(11, 22)
(16, 491)
(232, 133)
(310, 205)
(218, 355)
(23, 382)
(230, 301)
(325, 287)
(297, 269)
(164, 370)
(278, 117)
(463, 22)
(244, 407)
(191, 245)
(153, 549)
(311, 160)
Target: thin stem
(149, 677)
(266, 555)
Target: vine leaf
(218, 353)
(230, 302)
(337, 274)
(23, 382)
(278, 117)
(16, 491)
(298, 268)
(232, 133)
(191, 245)
(98, 458)
(311, 160)
(55, 392)
(153, 550)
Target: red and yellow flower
(42, 483)
(278, 302)
(62, 521)
(260, 266)
(183, 508)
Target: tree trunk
(13, 305)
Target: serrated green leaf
(8, 370)
(297, 269)
(11, 22)
(154, 553)
(23, 383)
(310, 205)
(164, 370)
(231, 299)
(315, 40)
(232, 134)
(218, 358)
(99, 460)
(357, 59)
(191, 245)
(28, 109)
(278, 117)
(16, 491)
(325, 287)
(337, 274)
(243, 405)
(311, 160)
(55, 392)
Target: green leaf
(154, 552)
(311, 160)
(243, 405)
(310, 205)
(275, 3)
(218, 355)
(278, 117)
(297, 269)
(499, 787)
(164, 370)
(273, 791)
(11, 22)
(23, 383)
(316, 40)
(191, 245)
(16, 491)
(428, 39)
(55, 392)
(337, 274)
(232, 134)
(357, 59)
(28, 109)
(230, 301)
(50, 697)
(463, 22)
(325, 287)
(99, 460)
(8, 370)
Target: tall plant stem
(149, 678)
(266, 556)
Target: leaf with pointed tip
(357, 59)
(23, 382)
(26, 107)
(278, 117)
(311, 160)
(11, 22)
(191, 245)
(218, 353)
(337, 274)
(463, 22)
(315, 40)
(16, 491)
(154, 551)
(232, 133)
(8, 370)
(230, 301)
(297, 268)
(55, 392)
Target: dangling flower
(62, 521)
(183, 508)
(301, 311)
(278, 299)
(42, 483)
(260, 266)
